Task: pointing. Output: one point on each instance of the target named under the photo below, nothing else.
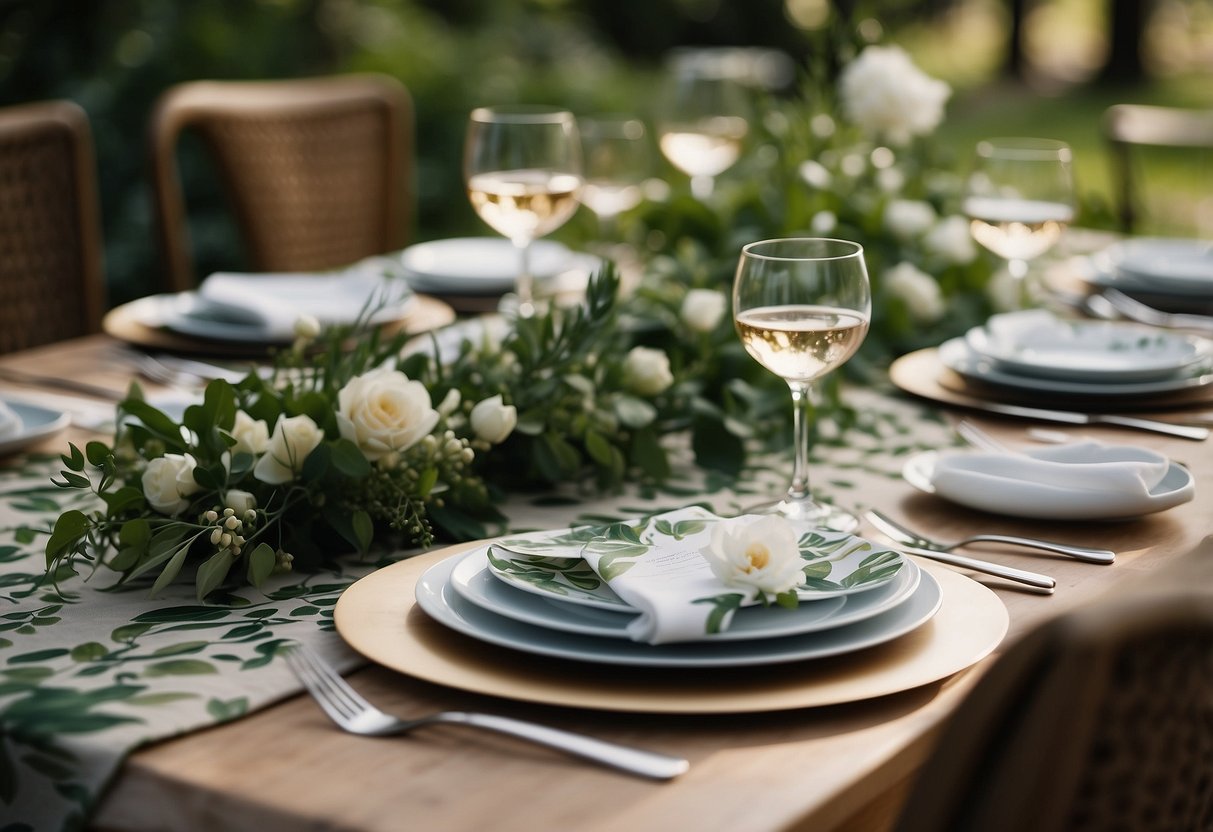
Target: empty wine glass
(704, 120)
(1019, 199)
(801, 307)
(617, 161)
(523, 172)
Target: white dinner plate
(1036, 343)
(37, 423)
(480, 265)
(437, 597)
(957, 355)
(1174, 488)
(473, 580)
(1163, 266)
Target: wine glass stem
(702, 186)
(524, 285)
(801, 401)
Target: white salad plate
(483, 265)
(473, 580)
(37, 423)
(436, 595)
(957, 355)
(1036, 343)
(1169, 266)
(1044, 502)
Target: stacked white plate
(557, 606)
(489, 265)
(1177, 271)
(1035, 351)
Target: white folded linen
(274, 302)
(1055, 481)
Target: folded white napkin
(273, 302)
(1056, 481)
(10, 422)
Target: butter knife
(1068, 417)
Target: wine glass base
(809, 514)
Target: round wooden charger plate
(123, 322)
(378, 617)
(922, 374)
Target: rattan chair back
(1101, 719)
(318, 172)
(51, 262)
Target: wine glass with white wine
(703, 122)
(1019, 199)
(617, 161)
(802, 307)
(523, 171)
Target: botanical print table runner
(89, 672)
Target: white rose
(239, 501)
(823, 222)
(702, 309)
(382, 411)
(918, 290)
(908, 218)
(252, 435)
(307, 327)
(883, 92)
(293, 439)
(647, 371)
(492, 420)
(815, 174)
(891, 180)
(951, 240)
(762, 553)
(168, 481)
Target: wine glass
(703, 122)
(1019, 199)
(801, 307)
(523, 172)
(617, 161)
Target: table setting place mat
(516, 618)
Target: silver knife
(1074, 418)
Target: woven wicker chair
(1100, 720)
(51, 271)
(318, 171)
(1127, 126)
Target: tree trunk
(1014, 64)
(1126, 25)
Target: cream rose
(239, 501)
(951, 240)
(908, 218)
(383, 411)
(168, 481)
(883, 92)
(293, 439)
(647, 371)
(252, 435)
(493, 420)
(918, 290)
(762, 553)
(702, 309)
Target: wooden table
(847, 766)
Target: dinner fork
(1135, 310)
(352, 713)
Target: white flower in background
(891, 180)
(853, 165)
(1004, 291)
(450, 402)
(493, 420)
(883, 92)
(823, 222)
(383, 411)
(951, 240)
(252, 435)
(918, 290)
(815, 174)
(168, 481)
(702, 309)
(647, 371)
(239, 501)
(908, 218)
(293, 439)
(762, 553)
(822, 125)
(306, 327)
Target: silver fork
(1137, 311)
(352, 713)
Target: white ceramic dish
(957, 355)
(1163, 266)
(1048, 503)
(1035, 343)
(437, 597)
(473, 580)
(480, 265)
(37, 423)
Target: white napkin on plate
(1062, 477)
(10, 422)
(273, 302)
